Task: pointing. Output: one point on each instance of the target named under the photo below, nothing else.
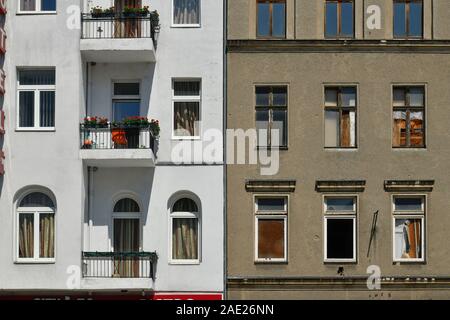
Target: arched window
(126, 205)
(36, 223)
(185, 225)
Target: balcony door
(127, 27)
(127, 238)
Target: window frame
(36, 212)
(340, 108)
(38, 10)
(271, 2)
(338, 20)
(126, 215)
(185, 215)
(407, 35)
(409, 214)
(340, 215)
(125, 98)
(190, 25)
(36, 89)
(270, 109)
(187, 99)
(408, 109)
(270, 215)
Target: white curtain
(186, 12)
(27, 5)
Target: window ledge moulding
(343, 186)
(408, 185)
(279, 186)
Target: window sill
(184, 263)
(36, 13)
(262, 262)
(186, 138)
(186, 26)
(408, 262)
(273, 148)
(341, 149)
(339, 261)
(409, 148)
(52, 261)
(35, 130)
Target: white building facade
(94, 201)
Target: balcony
(119, 38)
(117, 146)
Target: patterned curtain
(186, 118)
(186, 12)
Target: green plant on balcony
(136, 12)
(95, 122)
(99, 12)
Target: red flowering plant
(139, 123)
(95, 122)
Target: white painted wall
(52, 159)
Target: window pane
(47, 109)
(263, 20)
(348, 129)
(37, 77)
(416, 97)
(262, 126)
(271, 238)
(399, 19)
(36, 199)
(126, 237)
(340, 204)
(185, 239)
(125, 109)
(340, 239)
(262, 96)
(408, 238)
(27, 5)
(331, 128)
(26, 235)
(399, 129)
(126, 205)
(331, 97)
(416, 129)
(126, 89)
(186, 88)
(271, 204)
(331, 19)
(186, 118)
(415, 19)
(279, 96)
(278, 18)
(408, 204)
(185, 205)
(279, 126)
(186, 11)
(48, 5)
(347, 19)
(348, 97)
(399, 97)
(47, 235)
(26, 109)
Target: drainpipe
(90, 191)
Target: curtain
(27, 5)
(26, 235)
(126, 205)
(185, 239)
(186, 118)
(26, 109)
(126, 240)
(47, 236)
(185, 205)
(130, 28)
(47, 109)
(186, 12)
(408, 238)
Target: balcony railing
(119, 26)
(116, 137)
(119, 264)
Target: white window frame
(38, 9)
(124, 98)
(36, 212)
(409, 214)
(187, 99)
(192, 25)
(271, 215)
(37, 89)
(347, 215)
(185, 215)
(126, 215)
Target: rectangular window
(408, 18)
(186, 12)
(126, 100)
(339, 19)
(340, 117)
(271, 116)
(409, 218)
(186, 108)
(271, 229)
(36, 98)
(34, 6)
(340, 228)
(408, 117)
(271, 18)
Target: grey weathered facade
(373, 171)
